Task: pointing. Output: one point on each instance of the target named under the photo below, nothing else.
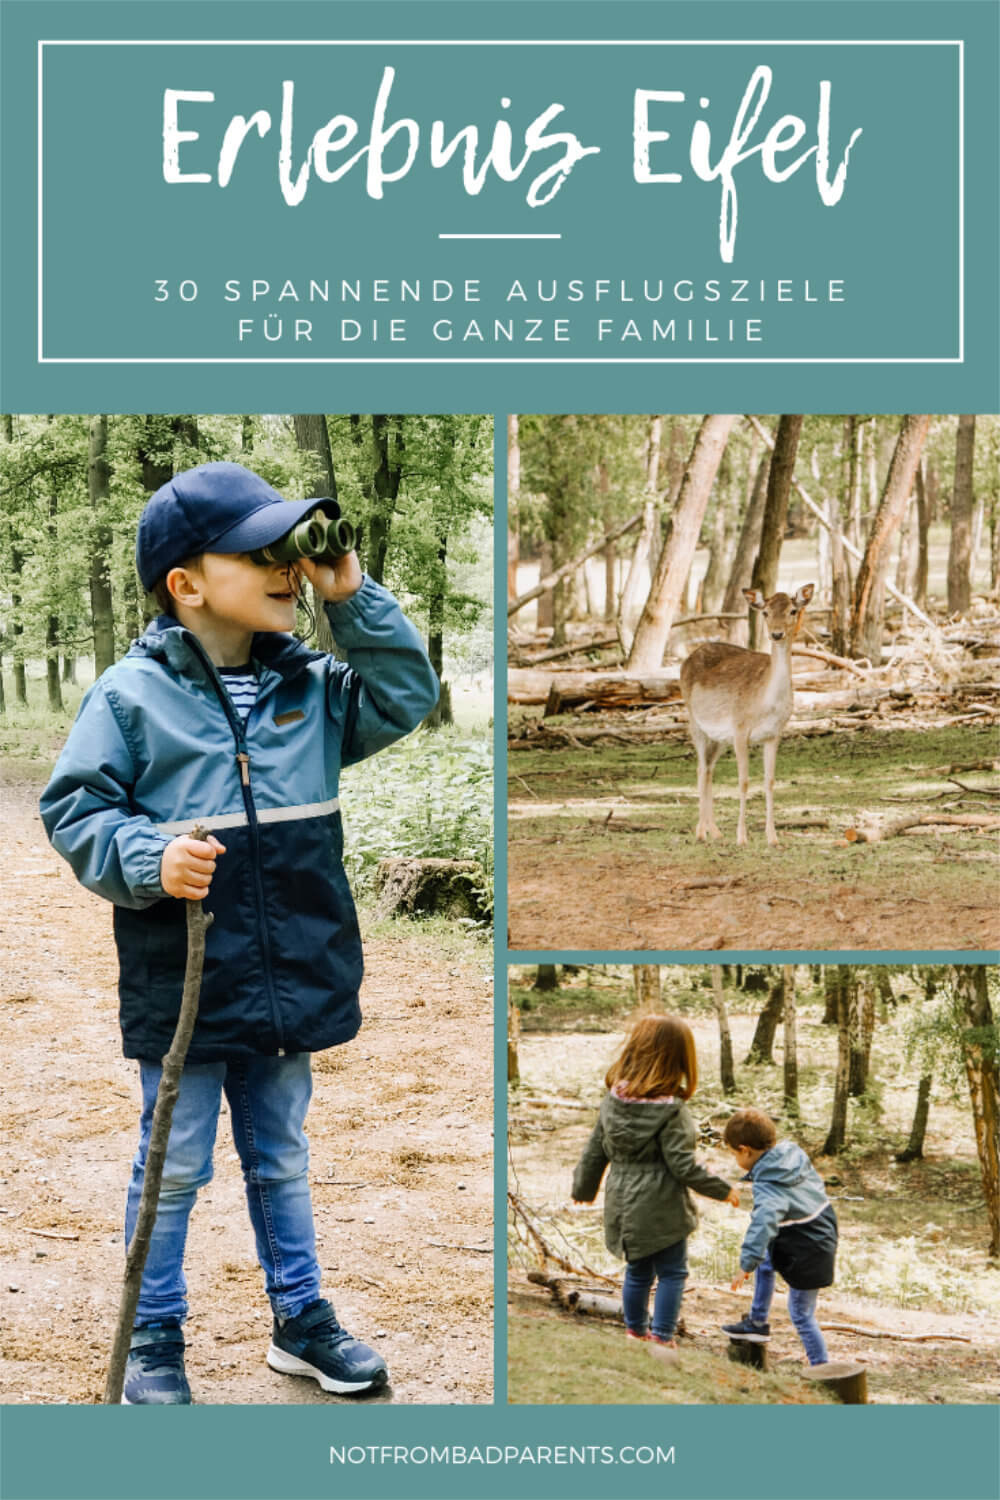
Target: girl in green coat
(646, 1133)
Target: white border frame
(44, 359)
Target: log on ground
(449, 887)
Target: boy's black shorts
(804, 1254)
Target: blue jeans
(669, 1267)
(801, 1310)
(268, 1099)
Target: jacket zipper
(243, 765)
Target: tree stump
(754, 1355)
(449, 887)
(848, 1382)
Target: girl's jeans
(669, 1267)
(268, 1098)
(801, 1310)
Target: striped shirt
(242, 686)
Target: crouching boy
(792, 1230)
(218, 716)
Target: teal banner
(542, 205)
(587, 1453)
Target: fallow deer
(744, 697)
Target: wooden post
(743, 1353)
(198, 923)
(848, 1382)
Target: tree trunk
(546, 614)
(837, 1137)
(385, 487)
(17, 628)
(513, 1038)
(714, 582)
(646, 980)
(791, 1068)
(610, 550)
(779, 487)
(960, 544)
(840, 578)
(869, 596)
(862, 1030)
(313, 436)
(441, 712)
(762, 1046)
(630, 607)
(741, 570)
(246, 434)
(980, 1054)
(923, 528)
(513, 503)
(546, 978)
(727, 1072)
(675, 561)
(98, 483)
(915, 1145)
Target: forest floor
(402, 1192)
(603, 855)
(911, 1260)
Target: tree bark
(441, 712)
(513, 502)
(674, 566)
(869, 595)
(714, 582)
(915, 1145)
(385, 487)
(837, 1137)
(779, 487)
(547, 978)
(919, 589)
(646, 981)
(960, 544)
(741, 569)
(862, 1030)
(727, 1073)
(981, 1056)
(762, 1046)
(630, 607)
(313, 436)
(791, 1062)
(98, 483)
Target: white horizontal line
(514, 359)
(493, 42)
(264, 815)
(463, 236)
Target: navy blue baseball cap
(213, 508)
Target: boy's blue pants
(801, 1310)
(268, 1099)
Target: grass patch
(557, 1360)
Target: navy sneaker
(749, 1331)
(314, 1344)
(154, 1369)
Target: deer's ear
(803, 596)
(756, 598)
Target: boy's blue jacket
(157, 746)
(788, 1190)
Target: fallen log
(982, 822)
(525, 685)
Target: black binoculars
(323, 536)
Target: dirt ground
(603, 856)
(403, 1195)
(925, 1354)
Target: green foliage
(430, 796)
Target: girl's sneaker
(638, 1338)
(154, 1369)
(314, 1344)
(749, 1331)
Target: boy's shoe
(749, 1331)
(154, 1368)
(314, 1344)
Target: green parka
(650, 1146)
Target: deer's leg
(770, 761)
(701, 744)
(741, 745)
(713, 750)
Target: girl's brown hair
(658, 1058)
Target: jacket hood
(180, 649)
(631, 1124)
(785, 1165)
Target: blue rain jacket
(791, 1216)
(157, 746)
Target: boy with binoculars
(219, 717)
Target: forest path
(401, 1152)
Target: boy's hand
(738, 1280)
(337, 581)
(733, 1198)
(188, 865)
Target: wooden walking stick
(198, 923)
